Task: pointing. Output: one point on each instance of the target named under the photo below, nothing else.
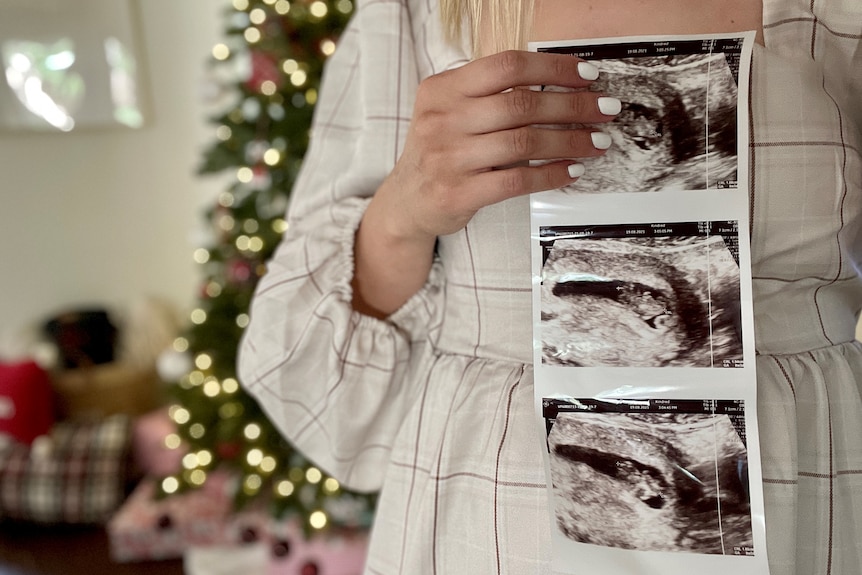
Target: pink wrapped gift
(147, 528)
(205, 521)
(333, 554)
(282, 551)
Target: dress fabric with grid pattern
(435, 405)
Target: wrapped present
(283, 551)
(148, 528)
(203, 527)
(336, 553)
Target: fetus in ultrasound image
(651, 481)
(677, 129)
(641, 302)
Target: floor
(37, 550)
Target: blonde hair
(506, 22)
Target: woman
(391, 338)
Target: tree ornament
(229, 450)
(281, 548)
(239, 271)
(263, 68)
(249, 535)
(171, 364)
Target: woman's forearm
(390, 264)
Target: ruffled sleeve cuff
(417, 313)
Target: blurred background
(148, 149)
(106, 214)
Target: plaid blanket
(77, 474)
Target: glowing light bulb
(244, 174)
(170, 484)
(268, 88)
(255, 244)
(272, 156)
(313, 475)
(298, 78)
(230, 385)
(254, 457)
(172, 441)
(201, 255)
(252, 431)
(226, 222)
(331, 485)
(224, 133)
(226, 199)
(318, 9)
(317, 519)
(221, 51)
(213, 289)
(212, 388)
(181, 415)
(284, 488)
(252, 35)
(203, 361)
(204, 458)
(327, 47)
(252, 483)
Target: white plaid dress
(435, 405)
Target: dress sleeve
(335, 382)
(838, 46)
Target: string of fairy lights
(279, 47)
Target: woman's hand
(473, 133)
(475, 128)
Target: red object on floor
(26, 401)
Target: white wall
(104, 217)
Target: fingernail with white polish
(601, 141)
(609, 106)
(587, 71)
(576, 170)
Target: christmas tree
(271, 63)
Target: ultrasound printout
(643, 338)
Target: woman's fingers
(498, 185)
(531, 143)
(513, 68)
(523, 107)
